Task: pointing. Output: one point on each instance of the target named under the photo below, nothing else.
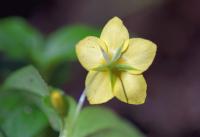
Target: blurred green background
(43, 33)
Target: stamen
(118, 52)
(117, 55)
(105, 55)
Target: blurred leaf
(101, 122)
(110, 133)
(19, 117)
(45, 106)
(60, 47)
(71, 109)
(24, 121)
(2, 134)
(19, 40)
(27, 79)
(61, 44)
(8, 102)
(55, 119)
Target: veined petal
(98, 87)
(130, 88)
(115, 34)
(139, 55)
(89, 52)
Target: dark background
(172, 108)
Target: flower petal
(130, 88)
(89, 52)
(139, 55)
(115, 34)
(98, 87)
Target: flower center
(112, 59)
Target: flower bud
(58, 102)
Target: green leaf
(19, 117)
(27, 79)
(24, 121)
(8, 102)
(19, 40)
(61, 44)
(109, 133)
(2, 134)
(102, 122)
(55, 119)
(60, 47)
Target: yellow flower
(115, 64)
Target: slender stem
(79, 106)
(81, 101)
(78, 109)
(64, 132)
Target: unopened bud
(58, 102)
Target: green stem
(79, 106)
(64, 132)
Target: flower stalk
(79, 106)
(65, 132)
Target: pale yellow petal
(139, 55)
(89, 52)
(98, 87)
(115, 34)
(130, 88)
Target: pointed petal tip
(114, 33)
(116, 19)
(140, 54)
